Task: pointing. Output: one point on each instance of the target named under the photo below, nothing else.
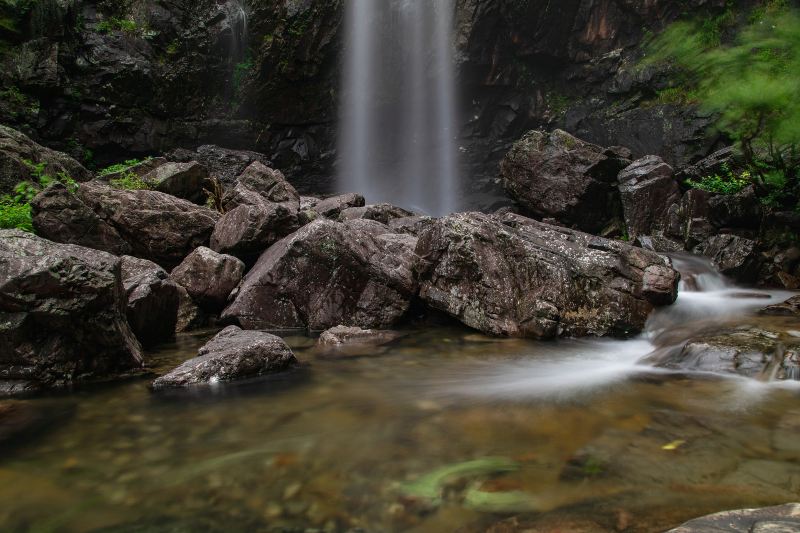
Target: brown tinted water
(567, 436)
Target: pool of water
(442, 430)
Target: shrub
(130, 181)
(15, 215)
(726, 183)
(120, 167)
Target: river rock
(558, 176)
(351, 335)
(60, 216)
(333, 206)
(382, 213)
(183, 180)
(513, 276)
(209, 277)
(157, 226)
(152, 300)
(62, 314)
(16, 148)
(190, 316)
(778, 519)
(790, 307)
(258, 184)
(325, 274)
(733, 255)
(232, 354)
(248, 230)
(223, 164)
(747, 350)
(740, 210)
(647, 189)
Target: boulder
(60, 216)
(259, 184)
(231, 355)
(157, 226)
(248, 230)
(746, 350)
(16, 148)
(790, 307)
(62, 314)
(190, 316)
(223, 164)
(778, 519)
(716, 163)
(647, 189)
(733, 255)
(325, 274)
(351, 335)
(514, 276)
(331, 207)
(152, 300)
(382, 213)
(740, 210)
(183, 180)
(209, 277)
(412, 225)
(559, 176)
(688, 219)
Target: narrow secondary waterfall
(237, 15)
(397, 139)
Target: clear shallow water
(563, 435)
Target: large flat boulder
(556, 175)
(156, 225)
(153, 300)
(259, 183)
(16, 148)
(327, 274)
(62, 314)
(512, 276)
(184, 180)
(232, 354)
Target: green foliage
(129, 181)
(726, 183)
(125, 25)
(13, 95)
(15, 210)
(676, 96)
(15, 215)
(120, 167)
(751, 85)
(241, 71)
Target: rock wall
(107, 80)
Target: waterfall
(237, 17)
(398, 127)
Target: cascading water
(237, 17)
(397, 139)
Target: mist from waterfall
(398, 124)
(237, 15)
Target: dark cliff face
(145, 76)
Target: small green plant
(115, 23)
(130, 181)
(15, 215)
(726, 183)
(241, 71)
(13, 95)
(120, 167)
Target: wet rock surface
(209, 277)
(560, 176)
(326, 274)
(157, 226)
(647, 189)
(514, 276)
(351, 335)
(790, 307)
(778, 519)
(183, 180)
(153, 300)
(63, 314)
(60, 216)
(232, 354)
(17, 149)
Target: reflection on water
(442, 430)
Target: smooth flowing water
(398, 107)
(442, 430)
